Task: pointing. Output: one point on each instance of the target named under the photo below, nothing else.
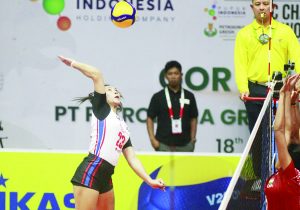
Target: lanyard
(171, 113)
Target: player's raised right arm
(89, 71)
(280, 121)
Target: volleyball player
(92, 181)
(283, 188)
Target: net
(245, 191)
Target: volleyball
(123, 14)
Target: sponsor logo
(210, 30)
(56, 7)
(147, 10)
(32, 200)
(224, 20)
(3, 181)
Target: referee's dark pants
(253, 109)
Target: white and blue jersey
(109, 133)
(109, 136)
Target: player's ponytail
(83, 99)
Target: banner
(41, 180)
(37, 90)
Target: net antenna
(242, 161)
(270, 41)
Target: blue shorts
(95, 173)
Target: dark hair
(172, 64)
(90, 98)
(294, 150)
(83, 99)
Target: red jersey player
(283, 188)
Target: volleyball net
(246, 188)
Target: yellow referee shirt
(251, 58)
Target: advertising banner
(41, 180)
(37, 91)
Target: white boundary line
(7, 150)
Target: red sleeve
(290, 171)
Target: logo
(211, 31)
(225, 19)
(2, 181)
(147, 11)
(92, 11)
(232, 11)
(270, 184)
(206, 193)
(26, 200)
(55, 7)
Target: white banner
(36, 89)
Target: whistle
(263, 15)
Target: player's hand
(157, 184)
(293, 80)
(297, 86)
(66, 61)
(290, 83)
(294, 97)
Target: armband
(72, 63)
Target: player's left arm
(287, 116)
(138, 168)
(295, 117)
(279, 130)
